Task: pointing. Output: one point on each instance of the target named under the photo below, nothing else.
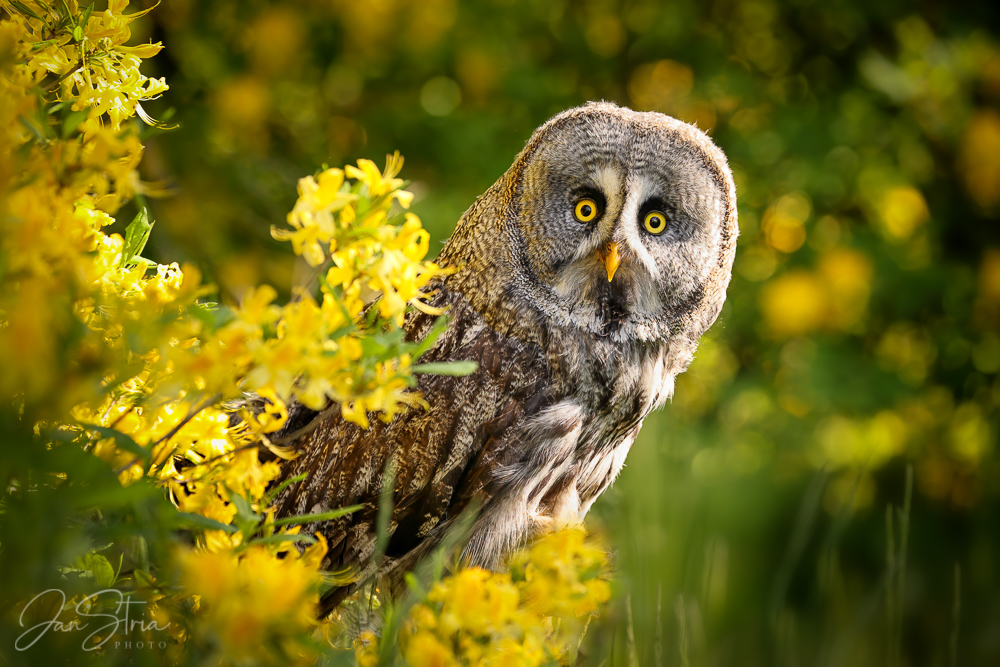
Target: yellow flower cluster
(535, 614)
(118, 353)
(92, 82)
(563, 574)
(245, 597)
(365, 247)
(65, 163)
(343, 220)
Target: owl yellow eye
(655, 222)
(586, 210)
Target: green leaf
(100, 569)
(86, 15)
(38, 46)
(383, 346)
(452, 368)
(212, 315)
(243, 510)
(72, 121)
(22, 8)
(78, 33)
(139, 553)
(284, 538)
(322, 516)
(414, 586)
(67, 12)
(246, 519)
(122, 441)
(35, 131)
(270, 495)
(385, 508)
(143, 579)
(189, 520)
(440, 325)
(136, 235)
(106, 496)
(118, 570)
(372, 347)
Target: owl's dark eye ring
(655, 222)
(586, 210)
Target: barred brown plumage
(579, 325)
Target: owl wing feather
(444, 458)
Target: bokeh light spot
(794, 304)
(903, 209)
(440, 96)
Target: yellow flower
(257, 309)
(275, 413)
(366, 649)
(248, 601)
(377, 183)
(203, 498)
(479, 617)
(354, 412)
(476, 601)
(412, 239)
(328, 193)
(424, 649)
(557, 574)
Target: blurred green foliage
(860, 336)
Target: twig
(206, 462)
(192, 412)
(308, 428)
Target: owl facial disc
(609, 220)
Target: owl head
(610, 222)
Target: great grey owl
(585, 277)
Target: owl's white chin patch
(583, 284)
(577, 279)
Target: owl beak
(611, 259)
